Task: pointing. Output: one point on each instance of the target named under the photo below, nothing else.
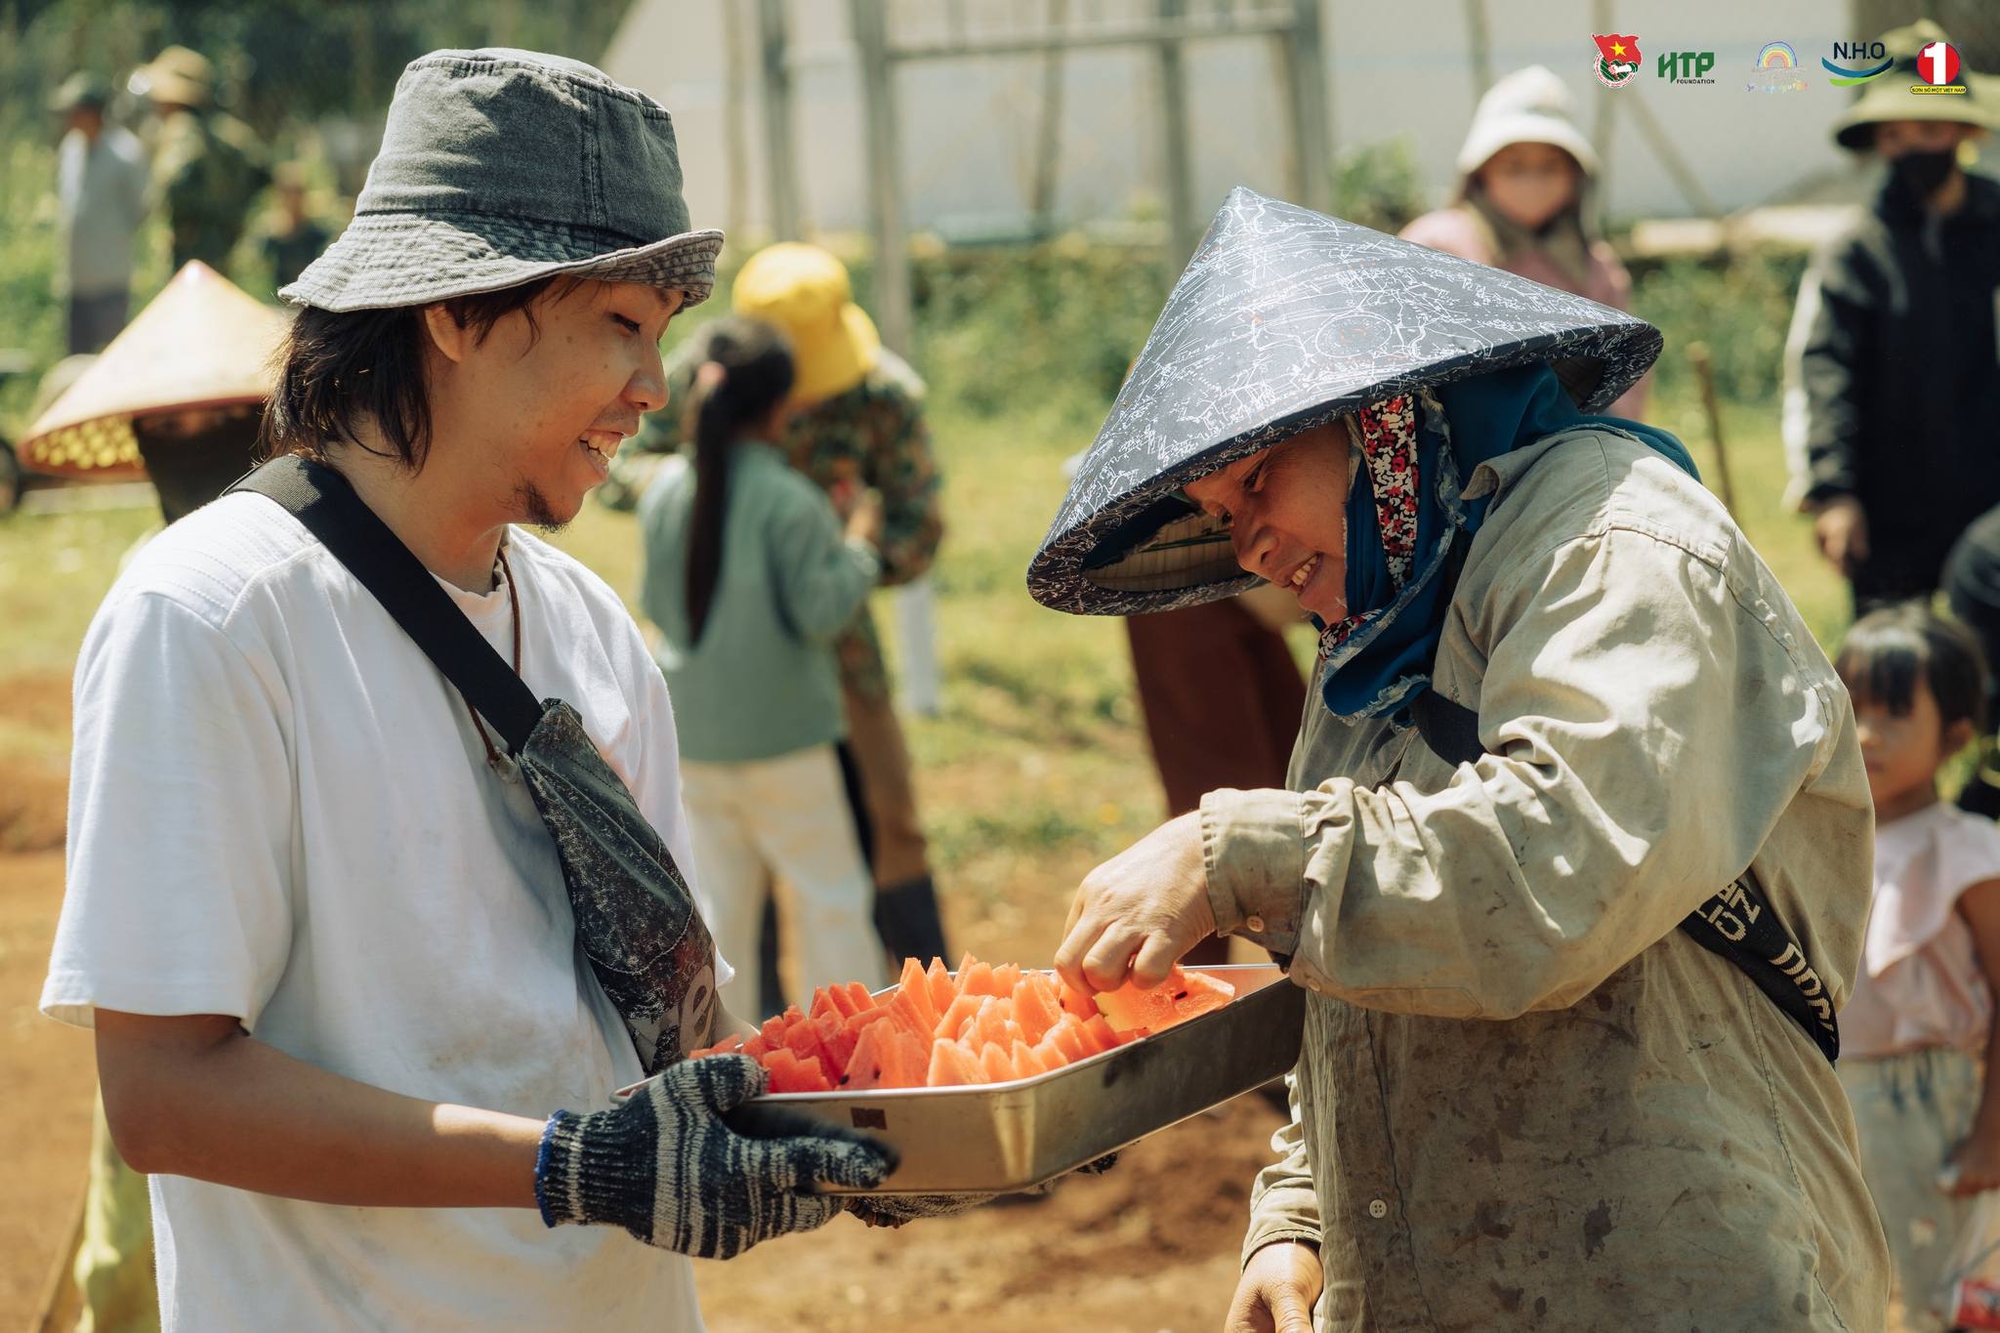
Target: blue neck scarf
(1385, 661)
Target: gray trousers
(95, 320)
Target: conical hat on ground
(202, 342)
(1286, 319)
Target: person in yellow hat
(207, 165)
(857, 424)
(1892, 381)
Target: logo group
(1617, 60)
(1776, 70)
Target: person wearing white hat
(1526, 175)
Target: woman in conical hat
(1573, 757)
(176, 398)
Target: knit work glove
(668, 1169)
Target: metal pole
(781, 169)
(885, 188)
(1481, 48)
(1182, 232)
(1048, 147)
(735, 141)
(1311, 132)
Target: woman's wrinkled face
(1531, 182)
(1287, 514)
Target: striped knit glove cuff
(666, 1168)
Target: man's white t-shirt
(280, 811)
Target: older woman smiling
(1575, 856)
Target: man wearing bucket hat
(376, 827)
(100, 203)
(1527, 176)
(207, 165)
(1893, 363)
(1574, 862)
(859, 424)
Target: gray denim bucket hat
(499, 167)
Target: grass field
(1037, 747)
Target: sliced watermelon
(952, 1025)
(996, 1063)
(1077, 1002)
(977, 979)
(788, 1073)
(1068, 1037)
(1006, 976)
(951, 1066)
(1026, 1063)
(943, 989)
(1183, 995)
(915, 984)
(1036, 1005)
(730, 1045)
(802, 1039)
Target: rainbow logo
(1776, 70)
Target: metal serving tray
(1002, 1137)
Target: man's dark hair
(336, 370)
(1889, 651)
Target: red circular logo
(1937, 63)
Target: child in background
(1919, 1017)
(1526, 176)
(750, 579)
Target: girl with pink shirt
(1918, 1026)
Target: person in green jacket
(207, 165)
(751, 579)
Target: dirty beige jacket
(1526, 1099)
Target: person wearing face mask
(1524, 203)
(1572, 779)
(1893, 363)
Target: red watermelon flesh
(917, 986)
(1076, 1002)
(951, 1066)
(1183, 995)
(788, 1073)
(943, 989)
(961, 1012)
(1036, 1005)
(996, 1062)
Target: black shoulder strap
(1738, 923)
(321, 498)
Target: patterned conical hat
(202, 342)
(1286, 319)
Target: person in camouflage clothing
(858, 425)
(207, 165)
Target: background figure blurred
(750, 580)
(1222, 698)
(100, 203)
(179, 392)
(293, 238)
(207, 165)
(175, 398)
(858, 424)
(1895, 386)
(1524, 203)
(1920, 1016)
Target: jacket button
(1255, 923)
(1377, 1209)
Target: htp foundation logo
(1686, 67)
